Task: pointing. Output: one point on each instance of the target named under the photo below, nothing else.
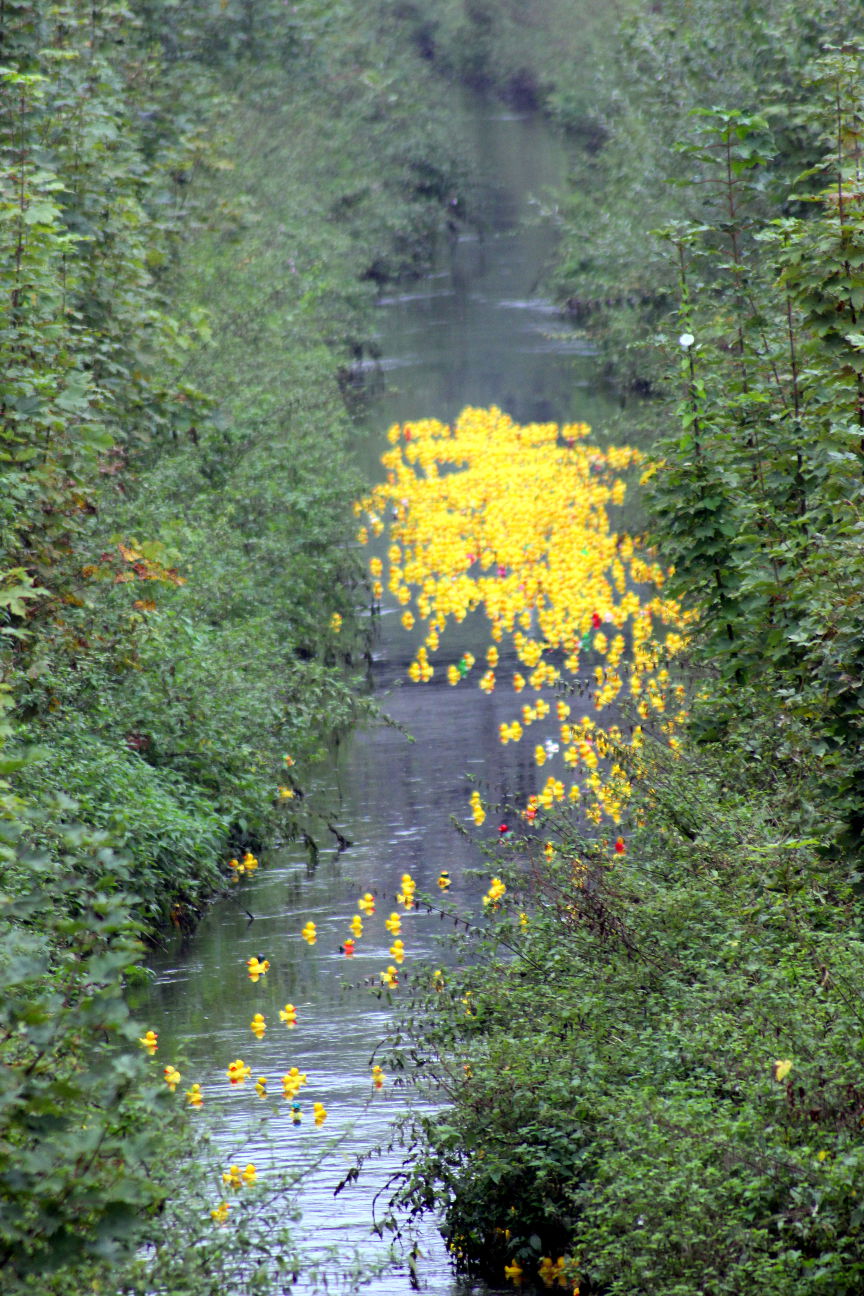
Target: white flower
(686, 340)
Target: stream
(474, 331)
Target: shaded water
(476, 332)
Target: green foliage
(102, 1168)
(611, 1068)
(756, 500)
(80, 1120)
(660, 64)
(165, 827)
(192, 551)
(191, 250)
(549, 55)
(657, 1079)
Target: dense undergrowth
(199, 204)
(660, 1085)
(652, 1057)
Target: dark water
(476, 331)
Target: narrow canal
(475, 331)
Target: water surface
(476, 331)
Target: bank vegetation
(200, 204)
(651, 1059)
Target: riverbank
(674, 1007)
(181, 599)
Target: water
(475, 331)
(478, 331)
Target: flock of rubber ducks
(293, 1081)
(515, 521)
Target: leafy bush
(193, 596)
(171, 837)
(180, 605)
(653, 1073)
(82, 1120)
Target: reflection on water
(474, 332)
(477, 331)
